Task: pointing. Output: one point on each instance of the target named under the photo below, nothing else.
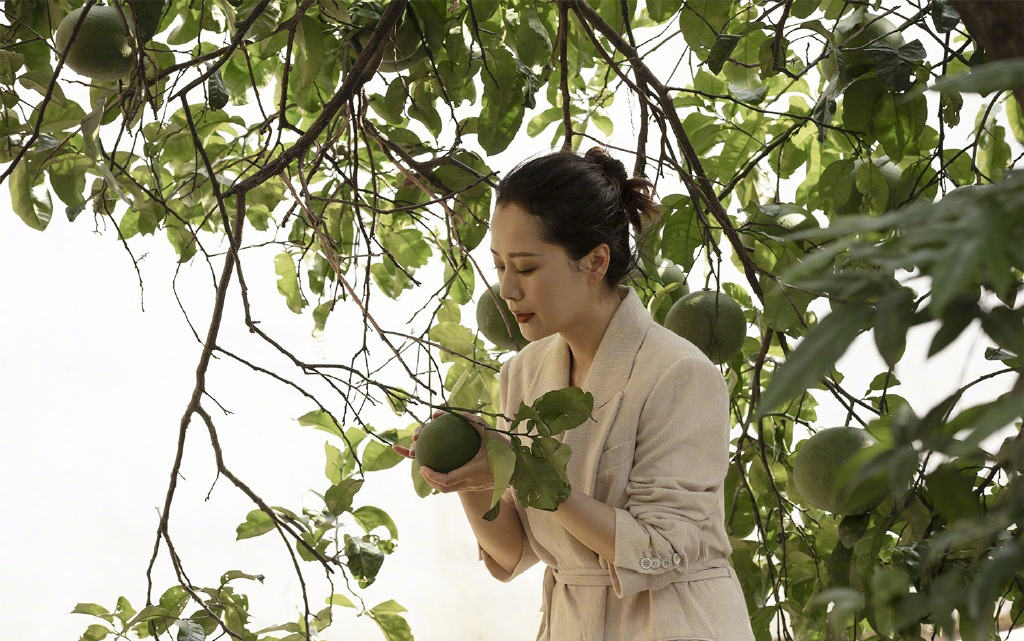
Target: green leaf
(124, 610)
(944, 16)
(871, 184)
(311, 52)
(950, 489)
(983, 420)
(370, 518)
(231, 575)
(563, 409)
(95, 610)
(815, 355)
(994, 576)
(406, 247)
(504, 101)
(958, 165)
(896, 64)
(150, 613)
(339, 496)
(29, 199)
(95, 632)
(379, 456)
(1006, 327)
(662, 10)
(721, 50)
(501, 460)
(389, 277)
(454, 337)
(190, 631)
(217, 94)
(540, 478)
(701, 21)
(148, 14)
(681, 235)
(321, 420)
(288, 282)
(257, 522)
(895, 316)
(956, 316)
(364, 560)
(784, 306)
(985, 78)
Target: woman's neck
(587, 335)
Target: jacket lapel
(612, 367)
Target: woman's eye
(527, 271)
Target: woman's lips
(523, 318)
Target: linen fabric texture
(656, 450)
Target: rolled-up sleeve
(528, 558)
(675, 485)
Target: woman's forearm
(590, 521)
(502, 538)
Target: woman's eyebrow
(516, 254)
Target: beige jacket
(657, 451)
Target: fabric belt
(601, 576)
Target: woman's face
(538, 280)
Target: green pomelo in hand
(712, 321)
(494, 320)
(816, 472)
(102, 49)
(447, 443)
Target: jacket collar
(615, 356)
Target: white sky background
(92, 391)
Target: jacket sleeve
(528, 558)
(674, 487)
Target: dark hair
(580, 202)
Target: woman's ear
(597, 262)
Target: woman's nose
(508, 290)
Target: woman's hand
(474, 476)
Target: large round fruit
(712, 321)
(447, 443)
(102, 49)
(815, 472)
(871, 28)
(491, 318)
(854, 203)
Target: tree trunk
(998, 26)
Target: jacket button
(655, 563)
(666, 562)
(677, 558)
(645, 563)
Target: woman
(638, 551)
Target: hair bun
(612, 166)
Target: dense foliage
(369, 149)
